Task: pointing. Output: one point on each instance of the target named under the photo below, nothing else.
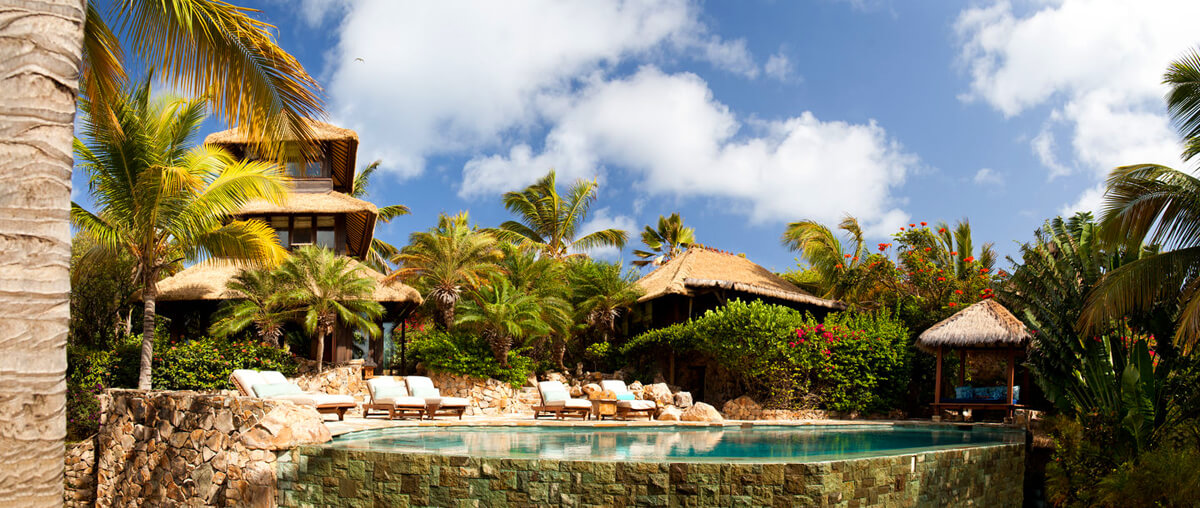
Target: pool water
(758, 443)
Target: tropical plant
(545, 279)
(1150, 203)
(162, 201)
(446, 260)
(503, 315)
(328, 289)
(600, 291)
(1049, 287)
(827, 259)
(261, 306)
(379, 252)
(102, 303)
(665, 242)
(550, 222)
(200, 47)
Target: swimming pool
(757, 443)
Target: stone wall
(322, 476)
(171, 448)
(79, 480)
(487, 396)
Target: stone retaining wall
(172, 448)
(323, 476)
(79, 476)
(487, 396)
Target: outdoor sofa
(556, 400)
(269, 384)
(422, 387)
(627, 403)
(388, 394)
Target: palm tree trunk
(40, 48)
(320, 349)
(149, 297)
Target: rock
(670, 414)
(742, 408)
(683, 399)
(555, 376)
(658, 392)
(702, 412)
(286, 426)
(636, 388)
(576, 391)
(591, 389)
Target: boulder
(670, 414)
(576, 391)
(591, 389)
(742, 408)
(555, 376)
(660, 393)
(286, 426)
(702, 412)
(683, 399)
(636, 388)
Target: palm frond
(1183, 99)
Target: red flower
(970, 259)
(941, 279)
(923, 223)
(912, 225)
(952, 304)
(839, 265)
(927, 249)
(953, 253)
(941, 230)
(901, 229)
(983, 270)
(958, 291)
(845, 255)
(985, 297)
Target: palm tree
(667, 241)
(445, 260)
(503, 315)
(600, 292)
(37, 97)
(1154, 204)
(549, 221)
(545, 279)
(327, 289)
(956, 248)
(824, 253)
(200, 47)
(261, 306)
(164, 202)
(380, 251)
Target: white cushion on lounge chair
(421, 386)
(455, 402)
(329, 399)
(245, 379)
(272, 376)
(614, 385)
(551, 387)
(572, 404)
(637, 405)
(401, 401)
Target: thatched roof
(311, 202)
(702, 267)
(321, 132)
(341, 145)
(360, 215)
(206, 281)
(984, 325)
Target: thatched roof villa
(703, 278)
(318, 211)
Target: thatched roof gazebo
(207, 281)
(983, 326)
(339, 144)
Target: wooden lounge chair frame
(393, 410)
(433, 409)
(559, 411)
(338, 409)
(624, 412)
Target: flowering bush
(850, 361)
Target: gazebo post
(937, 383)
(1012, 355)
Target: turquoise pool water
(758, 443)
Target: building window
(325, 236)
(308, 169)
(282, 228)
(302, 231)
(299, 230)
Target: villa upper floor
(320, 210)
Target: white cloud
(315, 12)
(605, 219)
(1095, 65)
(988, 176)
(779, 67)
(675, 139)
(453, 77)
(1089, 201)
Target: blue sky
(744, 116)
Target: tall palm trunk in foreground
(40, 48)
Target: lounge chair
(556, 400)
(269, 384)
(627, 403)
(388, 394)
(422, 387)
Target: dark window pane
(302, 230)
(295, 169)
(325, 238)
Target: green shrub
(203, 365)
(852, 361)
(83, 411)
(469, 355)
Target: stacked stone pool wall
(326, 476)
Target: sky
(745, 116)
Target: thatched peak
(321, 132)
(702, 267)
(984, 325)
